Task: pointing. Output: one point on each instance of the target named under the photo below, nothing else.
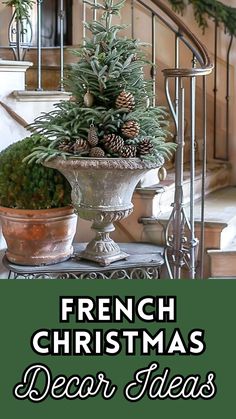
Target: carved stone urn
(102, 190)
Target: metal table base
(145, 262)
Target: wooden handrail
(206, 65)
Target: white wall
(12, 77)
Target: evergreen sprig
(213, 9)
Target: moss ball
(30, 186)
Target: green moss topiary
(27, 186)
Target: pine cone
(145, 147)
(130, 129)
(113, 143)
(96, 152)
(81, 145)
(129, 151)
(92, 136)
(67, 146)
(125, 100)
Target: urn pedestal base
(102, 260)
(102, 249)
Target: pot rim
(119, 163)
(69, 209)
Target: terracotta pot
(38, 237)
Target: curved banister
(198, 49)
(181, 242)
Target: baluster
(84, 20)
(62, 16)
(132, 18)
(173, 109)
(39, 45)
(176, 81)
(215, 91)
(18, 35)
(175, 250)
(154, 58)
(193, 240)
(95, 11)
(227, 97)
(178, 222)
(181, 246)
(202, 232)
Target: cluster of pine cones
(112, 144)
(82, 147)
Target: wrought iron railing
(181, 250)
(20, 35)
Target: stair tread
(169, 182)
(42, 95)
(220, 208)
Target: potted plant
(38, 222)
(108, 136)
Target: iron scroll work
(181, 244)
(132, 273)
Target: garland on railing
(213, 9)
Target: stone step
(157, 199)
(20, 107)
(152, 206)
(25, 101)
(220, 231)
(220, 219)
(223, 261)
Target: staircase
(159, 198)
(152, 208)
(19, 106)
(220, 231)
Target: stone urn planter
(38, 237)
(102, 190)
